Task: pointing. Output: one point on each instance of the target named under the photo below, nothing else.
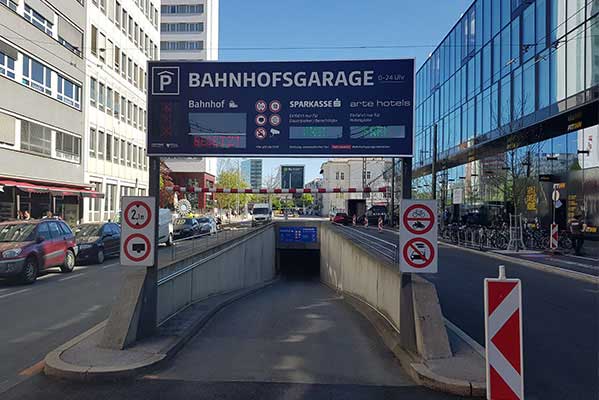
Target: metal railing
(387, 249)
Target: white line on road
(70, 277)
(109, 265)
(17, 292)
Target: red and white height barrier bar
(197, 189)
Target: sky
(252, 30)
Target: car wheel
(69, 262)
(100, 256)
(29, 272)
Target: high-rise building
(514, 86)
(122, 35)
(189, 30)
(251, 172)
(42, 121)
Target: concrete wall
(350, 269)
(242, 264)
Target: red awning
(54, 190)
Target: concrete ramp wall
(350, 269)
(242, 263)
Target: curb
(56, 367)
(531, 264)
(410, 362)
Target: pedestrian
(26, 215)
(20, 214)
(577, 227)
(48, 215)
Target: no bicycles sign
(418, 236)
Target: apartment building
(122, 35)
(354, 173)
(189, 30)
(42, 120)
(251, 172)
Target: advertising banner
(318, 108)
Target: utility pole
(393, 192)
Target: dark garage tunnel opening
(299, 264)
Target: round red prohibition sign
(275, 106)
(138, 217)
(260, 120)
(418, 253)
(261, 106)
(418, 219)
(145, 251)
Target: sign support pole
(392, 192)
(407, 324)
(148, 319)
(434, 166)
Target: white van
(165, 226)
(261, 214)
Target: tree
(166, 197)
(307, 199)
(231, 179)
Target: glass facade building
(508, 106)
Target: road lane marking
(70, 277)
(109, 265)
(13, 293)
(33, 370)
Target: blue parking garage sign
(319, 108)
(298, 234)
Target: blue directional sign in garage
(330, 108)
(298, 234)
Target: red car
(28, 247)
(341, 218)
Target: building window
(129, 111)
(69, 93)
(115, 150)
(123, 151)
(337, 175)
(117, 104)
(182, 45)
(182, 27)
(101, 143)
(123, 64)
(134, 162)
(94, 204)
(129, 154)
(38, 20)
(7, 66)
(93, 91)
(109, 99)
(117, 14)
(110, 201)
(342, 175)
(182, 9)
(92, 142)
(123, 108)
(68, 147)
(108, 147)
(36, 138)
(36, 75)
(94, 38)
(10, 4)
(101, 96)
(135, 115)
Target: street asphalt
(560, 318)
(40, 317)
(294, 340)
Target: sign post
(553, 239)
(418, 236)
(503, 338)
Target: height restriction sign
(418, 236)
(137, 231)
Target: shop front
(37, 198)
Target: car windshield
(379, 209)
(88, 230)
(183, 221)
(261, 211)
(16, 232)
(204, 220)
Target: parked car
(185, 227)
(207, 225)
(96, 241)
(165, 226)
(28, 247)
(341, 218)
